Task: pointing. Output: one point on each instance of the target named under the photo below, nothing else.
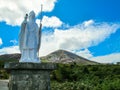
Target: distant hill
(10, 57)
(59, 56)
(62, 56)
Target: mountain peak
(63, 56)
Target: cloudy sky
(89, 28)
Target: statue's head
(32, 15)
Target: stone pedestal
(29, 76)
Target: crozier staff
(39, 40)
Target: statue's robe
(29, 41)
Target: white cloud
(77, 37)
(13, 11)
(1, 41)
(88, 23)
(9, 50)
(84, 53)
(52, 22)
(111, 58)
(48, 44)
(14, 42)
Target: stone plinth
(29, 76)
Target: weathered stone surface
(4, 84)
(29, 76)
(31, 66)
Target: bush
(91, 77)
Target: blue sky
(89, 28)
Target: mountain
(62, 56)
(10, 57)
(59, 56)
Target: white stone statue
(29, 39)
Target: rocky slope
(62, 56)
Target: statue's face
(31, 15)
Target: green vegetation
(82, 77)
(3, 73)
(89, 77)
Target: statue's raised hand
(25, 18)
